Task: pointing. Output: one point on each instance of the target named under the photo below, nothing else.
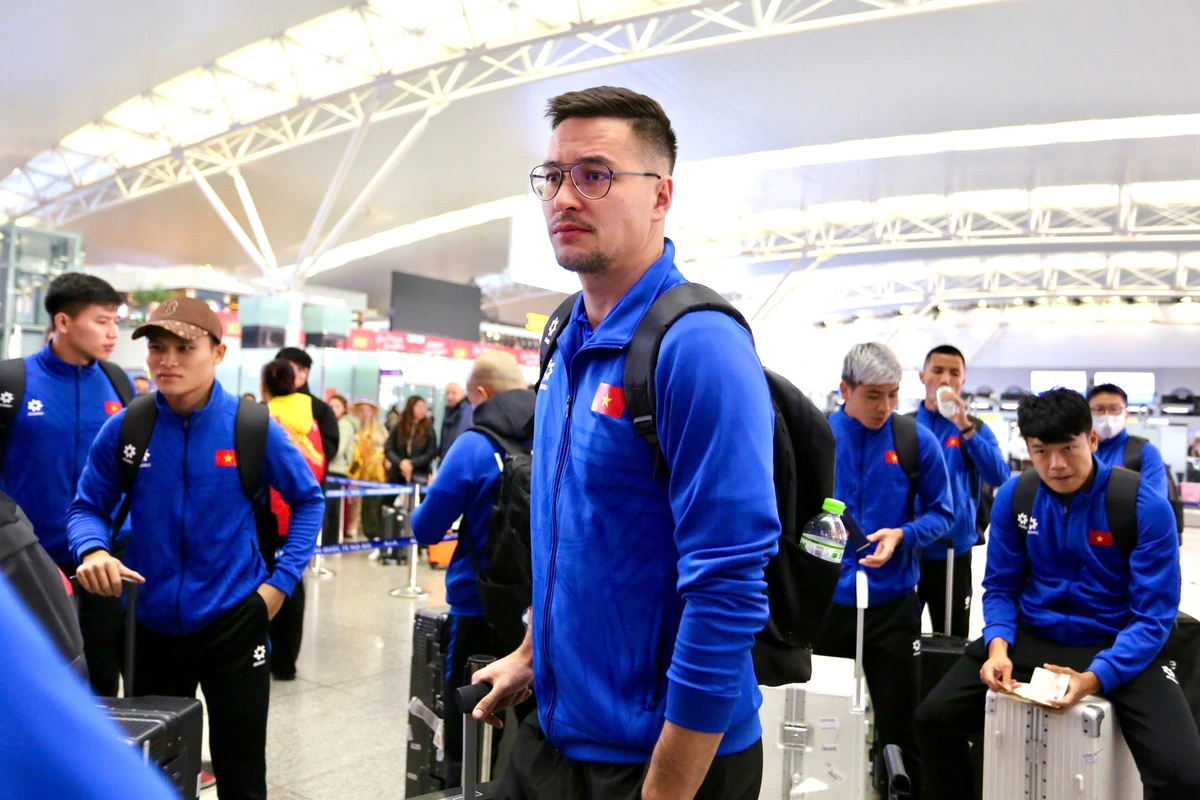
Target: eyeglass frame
(569, 171)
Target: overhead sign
(536, 322)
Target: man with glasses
(647, 578)
(1110, 405)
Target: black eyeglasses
(592, 180)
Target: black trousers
(932, 591)
(102, 623)
(287, 629)
(538, 771)
(329, 528)
(1151, 708)
(891, 632)
(228, 659)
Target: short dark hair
(946, 350)
(279, 378)
(72, 292)
(1054, 417)
(1107, 388)
(650, 123)
(297, 356)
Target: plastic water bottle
(824, 536)
(946, 407)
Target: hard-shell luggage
(1038, 753)
(426, 767)
(817, 735)
(476, 771)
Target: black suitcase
(466, 699)
(426, 768)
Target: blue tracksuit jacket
(1154, 471)
(990, 467)
(57, 741)
(1069, 583)
(648, 591)
(195, 542)
(872, 484)
(64, 408)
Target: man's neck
(602, 292)
(67, 353)
(931, 403)
(185, 404)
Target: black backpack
(982, 493)
(250, 448)
(800, 587)
(1133, 460)
(506, 584)
(1120, 505)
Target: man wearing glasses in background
(647, 582)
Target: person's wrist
(93, 554)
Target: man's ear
(1094, 440)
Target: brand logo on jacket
(550, 329)
(36, 408)
(1027, 524)
(609, 401)
(127, 455)
(145, 460)
(546, 377)
(260, 655)
(1100, 538)
(112, 407)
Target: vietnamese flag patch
(954, 441)
(609, 401)
(226, 458)
(112, 407)
(891, 457)
(1100, 539)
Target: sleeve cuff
(1006, 632)
(698, 710)
(1104, 673)
(906, 544)
(282, 582)
(89, 545)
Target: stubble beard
(593, 263)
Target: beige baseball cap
(186, 317)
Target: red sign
(609, 401)
(226, 458)
(954, 441)
(891, 457)
(420, 344)
(1100, 538)
(112, 407)
(229, 324)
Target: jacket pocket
(660, 661)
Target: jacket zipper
(562, 455)
(183, 525)
(78, 371)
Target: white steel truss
(378, 60)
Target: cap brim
(184, 330)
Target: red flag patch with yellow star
(1100, 539)
(609, 401)
(226, 458)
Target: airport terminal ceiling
(898, 69)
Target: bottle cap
(833, 506)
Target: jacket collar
(48, 360)
(616, 330)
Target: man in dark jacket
(467, 486)
(457, 418)
(68, 397)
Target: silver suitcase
(1034, 753)
(817, 735)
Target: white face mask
(1108, 425)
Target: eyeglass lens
(592, 180)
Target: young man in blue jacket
(972, 457)
(68, 397)
(891, 520)
(204, 611)
(467, 486)
(1061, 593)
(1109, 406)
(647, 583)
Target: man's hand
(101, 573)
(1082, 684)
(511, 678)
(273, 598)
(889, 539)
(681, 759)
(960, 414)
(997, 670)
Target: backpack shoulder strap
(904, 432)
(1133, 453)
(972, 470)
(137, 426)
(554, 327)
(1120, 506)
(250, 444)
(642, 357)
(120, 382)
(511, 447)
(12, 381)
(1024, 496)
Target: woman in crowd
(292, 410)
(411, 449)
(367, 464)
(339, 464)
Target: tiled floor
(340, 730)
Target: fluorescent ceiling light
(1177, 409)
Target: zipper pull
(568, 406)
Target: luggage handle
(131, 593)
(467, 697)
(949, 581)
(861, 592)
(899, 785)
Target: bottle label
(822, 549)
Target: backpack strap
(1024, 496)
(250, 446)
(120, 382)
(1133, 453)
(904, 433)
(137, 426)
(511, 447)
(554, 328)
(642, 356)
(1120, 506)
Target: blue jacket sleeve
(715, 426)
(990, 463)
(934, 508)
(1153, 593)
(1154, 470)
(57, 742)
(89, 519)
(1004, 578)
(456, 486)
(288, 473)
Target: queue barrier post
(412, 590)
